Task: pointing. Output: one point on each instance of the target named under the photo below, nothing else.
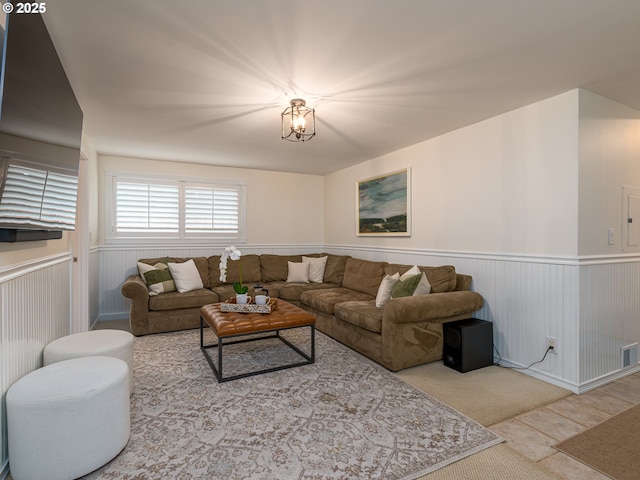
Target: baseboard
(600, 381)
(112, 316)
(545, 377)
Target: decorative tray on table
(230, 305)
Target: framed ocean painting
(383, 205)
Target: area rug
(610, 447)
(342, 417)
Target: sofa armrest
(434, 307)
(135, 289)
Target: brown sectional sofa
(406, 332)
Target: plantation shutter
(33, 196)
(142, 207)
(212, 209)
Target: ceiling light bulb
(294, 122)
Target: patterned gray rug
(342, 417)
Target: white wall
(609, 160)
(523, 202)
(609, 302)
(507, 185)
(281, 207)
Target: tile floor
(533, 433)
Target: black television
(40, 135)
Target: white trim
(18, 270)
(80, 244)
(552, 379)
(216, 248)
(608, 378)
(503, 257)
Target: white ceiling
(205, 81)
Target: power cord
(550, 348)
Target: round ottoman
(110, 343)
(67, 419)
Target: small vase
(242, 298)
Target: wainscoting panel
(35, 308)
(609, 316)
(590, 306)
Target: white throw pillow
(316, 268)
(410, 273)
(384, 290)
(423, 287)
(186, 276)
(298, 272)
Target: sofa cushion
(363, 314)
(178, 301)
(334, 269)
(226, 291)
(363, 275)
(250, 270)
(325, 299)
(293, 291)
(274, 268)
(442, 278)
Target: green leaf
(239, 288)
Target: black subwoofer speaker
(468, 344)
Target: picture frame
(383, 205)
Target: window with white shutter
(164, 208)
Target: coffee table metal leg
(219, 372)
(309, 358)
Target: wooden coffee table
(234, 327)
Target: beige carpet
(610, 447)
(496, 463)
(488, 395)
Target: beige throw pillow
(186, 276)
(384, 291)
(298, 272)
(316, 268)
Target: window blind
(37, 197)
(211, 210)
(147, 207)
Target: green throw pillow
(157, 277)
(405, 288)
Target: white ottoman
(110, 343)
(67, 419)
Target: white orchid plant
(234, 254)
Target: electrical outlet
(552, 343)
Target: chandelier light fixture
(298, 122)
